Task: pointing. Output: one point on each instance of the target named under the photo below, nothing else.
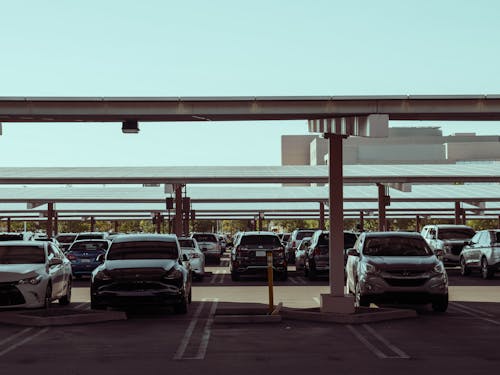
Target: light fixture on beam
(130, 127)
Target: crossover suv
(249, 255)
(396, 267)
(294, 241)
(33, 274)
(83, 256)
(190, 247)
(448, 240)
(209, 244)
(142, 269)
(482, 253)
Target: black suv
(249, 255)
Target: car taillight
(71, 257)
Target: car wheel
(182, 307)
(486, 272)
(360, 300)
(235, 276)
(96, 306)
(464, 270)
(440, 303)
(66, 299)
(48, 297)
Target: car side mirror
(352, 252)
(55, 262)
(100, 258)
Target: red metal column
(9, 226)
(261, 219)
(117, 226)
(92, 224)
(464, 217)
(321, 216)
(498, 221)
(50, 215)
(417, 224)
(336, 197)
(457, 213)
(56, 223)
(158, 222)
(178, 211)
(382, 223)
(361, 221)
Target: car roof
(145, 237)
(259, 233)
(23, 243)
(393, 234)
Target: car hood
(166, 264)
(13, 272)
(388, 263)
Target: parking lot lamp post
(382, 202)
(56, 223)
(117, 226)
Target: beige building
(418, 145)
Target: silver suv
(448, 240)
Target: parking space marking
(297, 280)
(22, 342)
(373, 348)
(189, 339)
(478, 311)
(479, 315)
(83, 306)
(218, 277)
(12, 337)
(316, 299)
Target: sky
(231, 48)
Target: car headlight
(102, 276)
(31, 280)
(439, 268)
(368, 268)
(173, 274)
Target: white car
(33, 274)
(190, 247)
(300, 253)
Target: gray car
(396, 267)
(482, 253)
(448, 240)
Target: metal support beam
(417, 224)
(50, 216)
(382, 202)
(457, 213)
(92, 224)
(178, 211)
(117, 226)
(321, 215)
(361, 221)
(9, 229)
(464, 217)
(56, 223)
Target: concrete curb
(28, 318)
(361, 316)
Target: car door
(478, 247)
(469, 250)
(56, 271)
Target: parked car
(300, 253)
(45, 237)
(33, 274)
(317, 256)
(396, 267)
(284, 238)
(142, 269)
(482, 253)
(448, 240)
(190, 247)
(294, 242)
(16, 236)
(92, 236)
(208, 244)
(65, 240)
(83, 255)
(249, 255)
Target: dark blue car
(83, 255)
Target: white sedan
(33, 274)
(190, 247)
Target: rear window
(324, 239)
(456, 234)
(90, 236)
(89, 246)
(303, 234)
(286, 237)
(186, 243)
(11, 237)
(396, 246)
(66, 239)
(349, 240)
(21, 255)
(497, 237)
(260, 240)
(143, 250)
(205, 237)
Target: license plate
(85, 260)
(260, 253)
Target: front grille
(10, 295)
(406, 282)
(456, 249)
(152, 274)
(405, 273)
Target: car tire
(235, 276)
(47, 301)
(486, 272)
(96, 306)
(360, 300)
(440, 303)
(464, 270)
(182, 307)
(190, 297)
(66, 299)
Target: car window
(260, 240)
(349, 240)
(11, 237)
(186, 243)
(303, 234)
(455, 233)
(475, 239)
(484, 240)
(205, 237)
(94, 246)
(66, 238)
(22, 255)
(143, 250)
(396, 246)
(496, 237)
(324, 239)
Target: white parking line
(189, 332)
(24, 341)
(466, 311)
(218, 277)
(83, 306)
(292, 279)
(206, 333)
(378, 351)
(478, 311)
(316, 299)
(12, 337)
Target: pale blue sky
(223, 47)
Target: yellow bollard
(269, 256)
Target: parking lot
(464, 339)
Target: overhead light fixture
(130, 127)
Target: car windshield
(323, 239)
(305, 244)
(396, 246)
(93, 246)
(456, 234)
(66, 239)
(95, 236)
(349, 240)
(497, 237)
(304, 234)
(186, 243)
(143, 250)
(205, 237)
(286, 237)
(22, 255)
(260, 240)
(11, 237)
